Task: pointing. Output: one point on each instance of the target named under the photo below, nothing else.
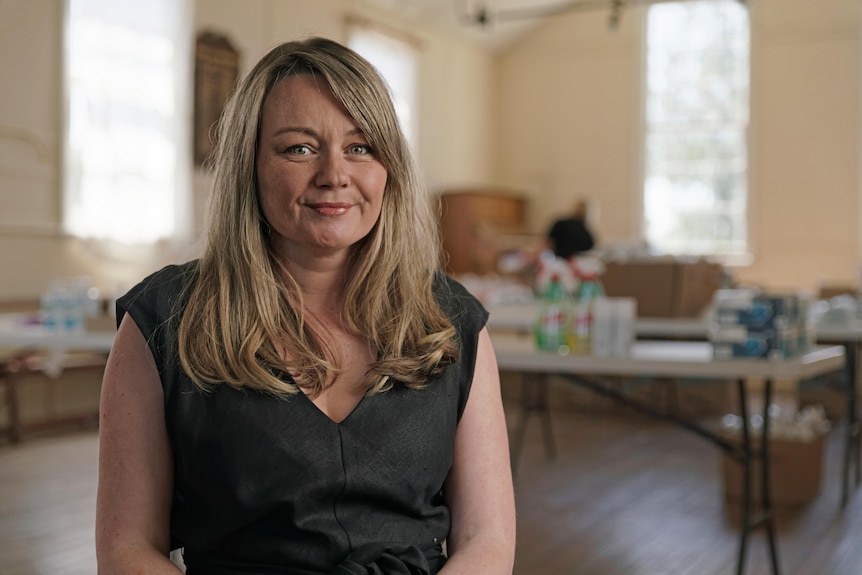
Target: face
(320, 182)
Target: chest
(346, 390)
(244, 444)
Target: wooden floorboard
(47, 505)
(626, 495)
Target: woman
(311, 396)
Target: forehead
(302, 97)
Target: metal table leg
(765, 515)
(851, 440)
(534, 399)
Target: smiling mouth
(330, 209)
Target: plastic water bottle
(552, 324)
(50, 308)
(73, 309)
(87, 296)
(61, 308)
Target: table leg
(766, 485)
(750, 520)
(534, 399)
(854, 413)
(745, 528)
(13, 414)
(851, 441)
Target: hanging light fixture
(616, 14)
(483, 17)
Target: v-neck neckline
(323, 414)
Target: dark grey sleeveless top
(273, 486)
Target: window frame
(736, 257)
(180, 136)
(356, 25)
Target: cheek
(264, 197)
(264, 203)
(261, 185)
(380, 187)
(272, 204)
(277, 190)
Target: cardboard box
(829, 291)
(664, 288)
(796, 471)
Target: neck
(321, 284)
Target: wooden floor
(47, 505)
(631, 496)
(626, 496)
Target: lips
(330, 208)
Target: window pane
(695, 192)
(397, 62)
(127, 131)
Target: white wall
(571, 99)
(454, 146)
(555, 115)
(806, 141)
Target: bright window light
(126, 158)
(697, 93)
(397, 60)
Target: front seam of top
(339, 497)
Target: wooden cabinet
(472, 223)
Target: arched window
(696, 156)
(127, 148)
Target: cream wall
(570, 105)
(805, 184)
(569, 97)
(557, 114)
(454, 147)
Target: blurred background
(719, 136)
(731, 132)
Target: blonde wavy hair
(242, 300)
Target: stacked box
(797, 441)
(664, 286)
(751, 324)
(796, 469)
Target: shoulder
(167, 277)
(462, 307)
(159, 290)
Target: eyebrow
(309, 132)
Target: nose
(333, 171)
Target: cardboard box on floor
(795, 473)
(664, 288)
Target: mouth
(330, 208)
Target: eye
(298, 150)
(359, 149)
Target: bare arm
(479, 488)
(135, 463)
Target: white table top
(18, 332)
(522, 316)
(844, 331)
(662, 359)
(515, 316)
